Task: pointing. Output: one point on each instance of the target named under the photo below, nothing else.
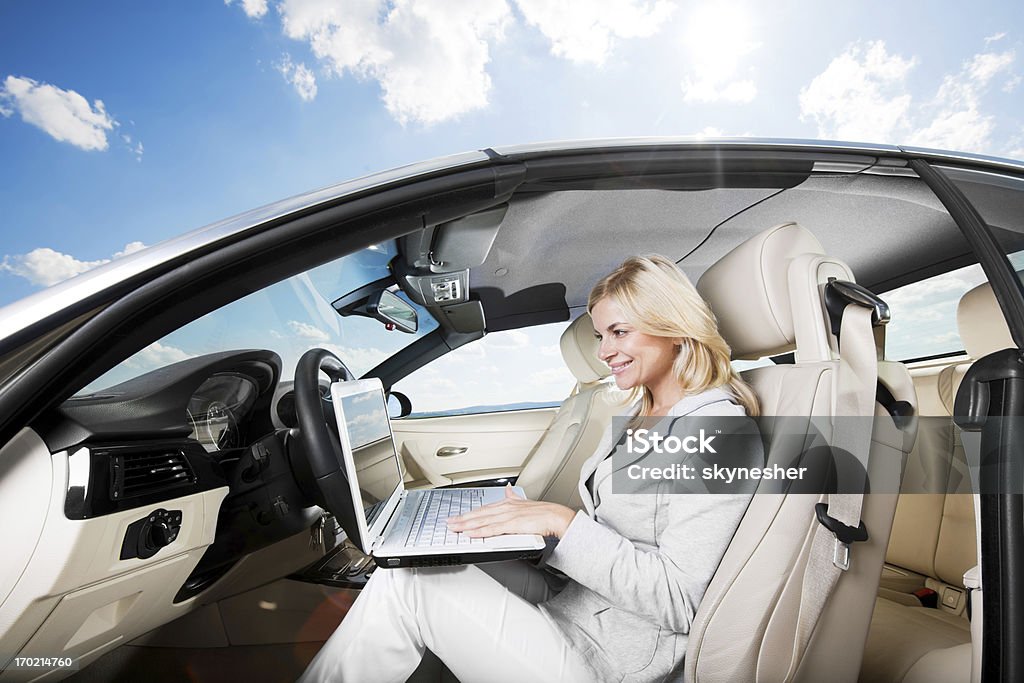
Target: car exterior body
(74, 386)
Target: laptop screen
(365, 432)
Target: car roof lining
(538, 255)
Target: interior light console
(445, 289)
(440, 289)
(145, 537)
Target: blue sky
(209, 108)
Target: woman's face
(634, 357)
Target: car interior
(163, 514)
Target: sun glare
(717, 36)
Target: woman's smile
(618, 368)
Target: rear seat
(933, 541)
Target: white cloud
(506, 340)
(552, 350)
(130, 248)
(358, 359)
(944, 339)
(994, 37)
(984, 66)
(429, 56)
(952, 284)
(136, 149)
(307, 331)
(558, 377)
(863, 95)
(585, 31)
(63, 114)
(254, 9)
(957, 121)
(45, 266)
(301, 78)
(860, 95)
(372, 419)
(717, 40)
(1015, 148)
(157, 355)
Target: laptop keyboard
(429, 525)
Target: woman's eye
(619, 333)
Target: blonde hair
(658, 299)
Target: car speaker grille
(139, 474)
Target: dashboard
(134, 500)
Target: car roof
(671, 218)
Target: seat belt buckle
(841, 555)
(845, 535)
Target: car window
(289, 318)
(924, 313)
(509, 370)
(923, 321)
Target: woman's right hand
(514, 515)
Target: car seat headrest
(749, 290)
(579, 349)
(982, 326)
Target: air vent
(139, 474)
(447, 561)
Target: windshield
(289, 318)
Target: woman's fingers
(492, 526)
(484, 510)
(476, 520)
(513, 515)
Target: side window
(924, 313)
(510, 370)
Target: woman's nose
(605, 350)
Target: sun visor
(465, 242)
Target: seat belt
(840, 522)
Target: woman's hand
(514, 515)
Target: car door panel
(453, 449)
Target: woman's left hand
(514, 515)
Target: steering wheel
(321, 448)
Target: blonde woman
(630, 569)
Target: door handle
(449, 451)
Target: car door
(479, 411)
(989, 408)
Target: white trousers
(482, 621)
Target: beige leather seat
(934, 539)
(552, 469)
(766, 294)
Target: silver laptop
(401, 528)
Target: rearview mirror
(392, 310)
